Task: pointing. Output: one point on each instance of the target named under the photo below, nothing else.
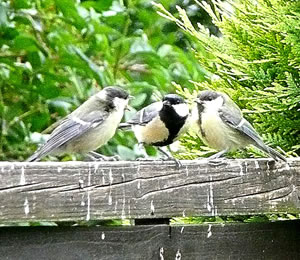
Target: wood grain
(279, 240)
(73, 191)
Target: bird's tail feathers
(34, 158)
(273, 153)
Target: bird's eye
(209, 98)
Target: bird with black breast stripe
(161, 123)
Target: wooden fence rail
(73, 191)
(84, 191)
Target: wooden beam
(279, 240)
(72, 191)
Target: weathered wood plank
(108, 190)
(279, 240)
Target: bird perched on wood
(161, 123)
(223, 127)
(88, 127)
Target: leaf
(67, 7)
(3, 16)
(98, 5)
(27, 43)
(125, 153)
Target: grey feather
(146, 114)
(68, 130)
(236, 120)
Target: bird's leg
(99, 157)
(169, 156)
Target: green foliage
(234, 219)
(256, 62)
(55, 54)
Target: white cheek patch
(214, 105)
(181, 109)
(120, 103)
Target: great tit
(223, 127)
(88, 127)
(161, 123)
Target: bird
(223, 127)
(88, 127)
(160, 124)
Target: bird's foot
(177, 161)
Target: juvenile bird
(223, 127)
(88, 127)
(161, 123)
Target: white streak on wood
(186, 171)
(210, 198)
(22, 179)
(209, 232)
(111, 179)
(183, 213)
(59, 169)
(88, 214)
(12, 167)
(256, 164)
(152, 207)
(241, 169)
(123, 216)
(161, 253)
(178, 255)
(82, 201)
(109, 197)
(102, 235)
(116, 206)
(96, 166)
(181, 231)
(128, 202)
(26, 207)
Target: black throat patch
(200, 112)
(173, 123)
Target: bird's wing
(70, 128)
(233, 117)
(146, 114)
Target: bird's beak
(167, 103)
(131, 97)
(198, 101)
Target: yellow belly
(217, 134)
(153, 132)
